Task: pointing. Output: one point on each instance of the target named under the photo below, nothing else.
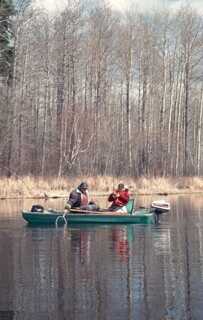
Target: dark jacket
(75, 199)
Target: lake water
(103, 272)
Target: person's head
(83, 187)
(120, 186)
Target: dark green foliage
(6, 38)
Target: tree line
(90, 91)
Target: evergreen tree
(6, 39)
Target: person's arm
(112, 197)
(73, 199)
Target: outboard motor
(159, 207)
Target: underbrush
(38, 187)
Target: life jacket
(84, 199)
(122, 198)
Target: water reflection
(103, 272)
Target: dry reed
(38, 187)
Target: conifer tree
(6, 39)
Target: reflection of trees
(79, 275)
(184, 245)
(38, 275)
(106, 272)
(10, 208)
(6, 275)
(200, 237)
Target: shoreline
(102, 195)
(99, 186)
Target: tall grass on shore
(38, 187)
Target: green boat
(141, 215)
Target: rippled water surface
(103, 272)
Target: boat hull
(141, 217)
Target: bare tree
(95, 92)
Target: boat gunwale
(136, 213)
(40, 218)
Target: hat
(83, 186)
(120, 186)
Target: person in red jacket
(119, 198)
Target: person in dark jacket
(79, 198)
(119, 198)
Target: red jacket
(120, 198)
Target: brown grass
(37, 187)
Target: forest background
(94, 92)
